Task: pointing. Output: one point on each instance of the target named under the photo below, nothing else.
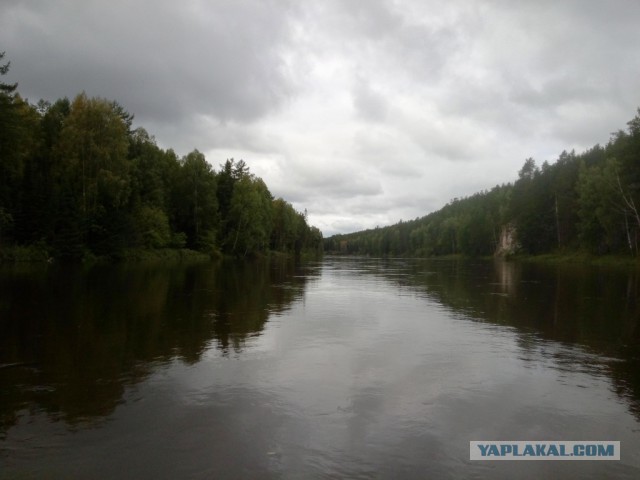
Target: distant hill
(581, 202)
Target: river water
(343, 368)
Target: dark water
(347, 368)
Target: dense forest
(585, 202)
(77, 181)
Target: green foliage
(195, 205)
(284, 233)
(153, 171)
(5, 88)
(38, 252)
(469, 226)
(77, 181)
(605, 209)
(93, 164)
(19, 140)
(249, 216)
(152, 226)
(532, 208)
(6, 222)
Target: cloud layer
(364, 113)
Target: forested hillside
(585, 202)
(76, 180)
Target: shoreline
(577, 258)
(37, 254)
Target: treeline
(76, 180)
(585, 202)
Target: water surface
(345, 368)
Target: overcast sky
(363, 112)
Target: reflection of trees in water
(595, 309)
(72, 340)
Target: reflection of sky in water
(359, 377)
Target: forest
(78, 182)
(583, 202)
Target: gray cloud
(369, 103)
(164, 60)
(362, 112)
(300, 180)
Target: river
(342, 368)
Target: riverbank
(577, 258)
(550, 258)
(39, 253)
